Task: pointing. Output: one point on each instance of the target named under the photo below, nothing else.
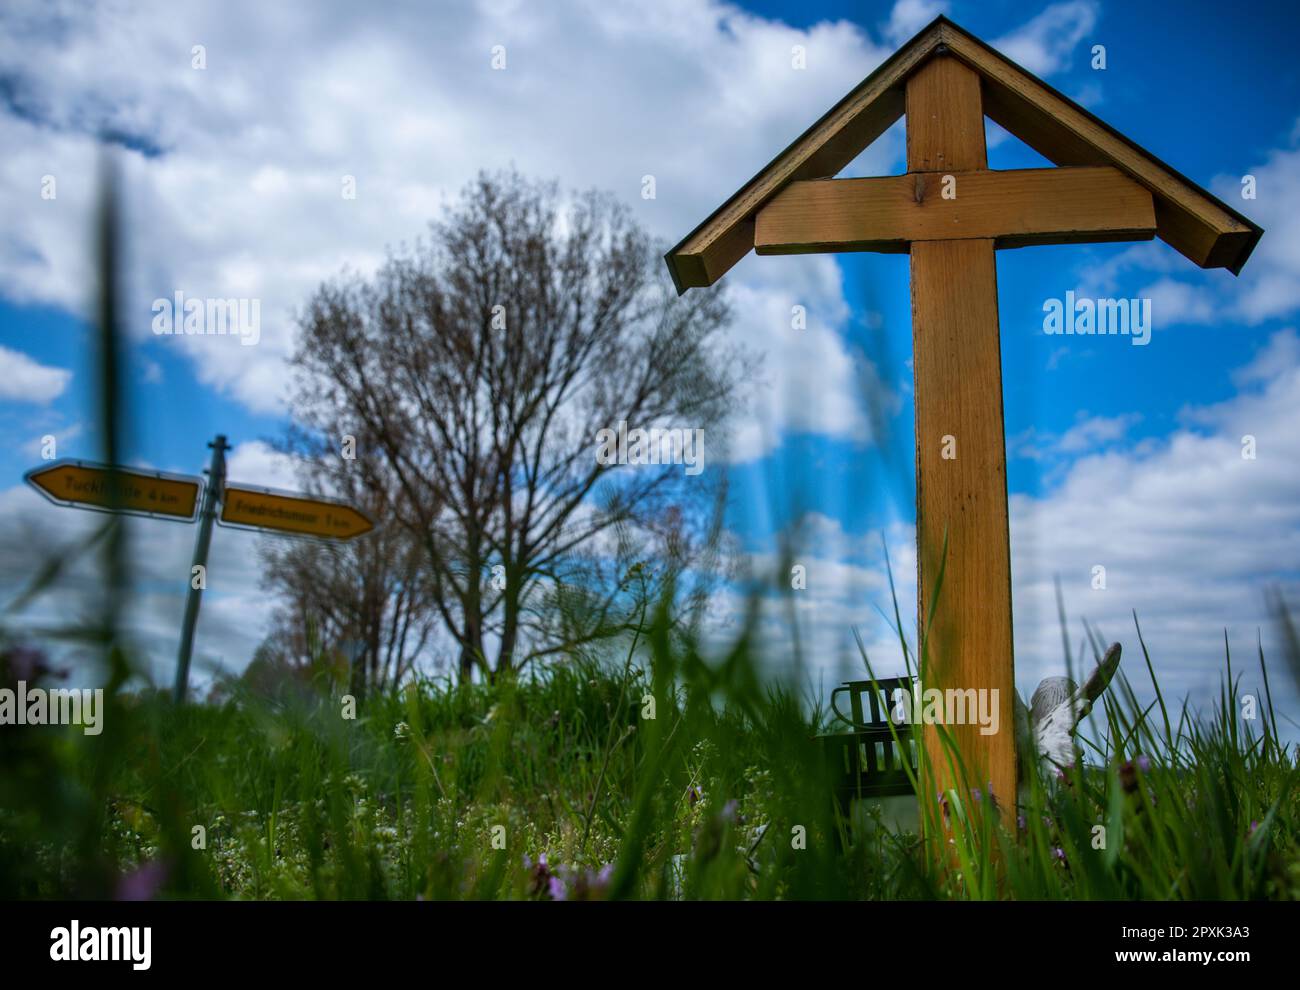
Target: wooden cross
(950, 213)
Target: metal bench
(872, 759)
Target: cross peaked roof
(1189, 219)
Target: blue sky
(1119, 455)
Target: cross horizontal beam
(1012, 208)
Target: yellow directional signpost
(99, 486)
(266, 509)
(105, 488)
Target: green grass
(702, 801)
(459, 792)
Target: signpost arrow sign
(266, 509)
(83, 485)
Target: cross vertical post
(961, 471)
(951, 212)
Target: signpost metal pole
(212, 494)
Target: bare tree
(364, 602)
(481, 367)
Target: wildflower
(693, 795)
(589, 885)
(540, 875)
(142, 883)
(23, 663)
(567, 883)
(401, 732)
(1059, 853)
(1128, 772)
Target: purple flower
(589, 886)
(142, 883)
(539, 875)
(23, 663)
(1128, 772)
(565, 883)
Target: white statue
(1055, 711)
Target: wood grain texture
(958, 377)
(1014, 209)
(945, 118)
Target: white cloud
(257, 463)
(247, 189)
(1190, 533)
(233, 186)
(151, 372)
(1274, 359)
(1045, 44)
(23, 379)
(1271, 279)
(1174, 303)
(1087, 434)
(234, 189)
(1269, 285)
(1091, 432)
(909, 16)
(811, 381)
